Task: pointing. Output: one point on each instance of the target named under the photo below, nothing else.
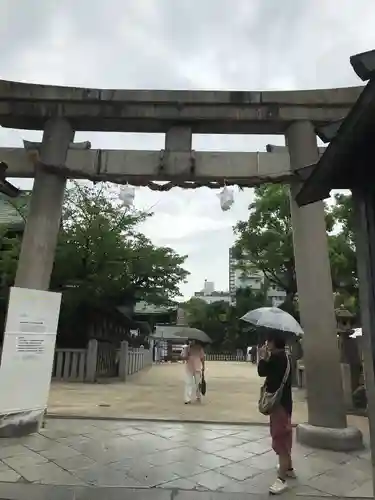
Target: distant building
(209, 295)
(276, 295)
(13, 212)
(254, 280)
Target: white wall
(210, 299)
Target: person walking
(194, 368)
(253, 354)
(274, 365)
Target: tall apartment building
(253, 280)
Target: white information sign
(28, 349)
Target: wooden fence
(99, 360)
(70, 364)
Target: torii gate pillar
(327, 423)
(43, 222)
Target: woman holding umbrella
(274, 365)
(194, 369)
(276, 393)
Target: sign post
(27, 359)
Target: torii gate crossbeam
(142, 167)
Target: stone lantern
(350, 356)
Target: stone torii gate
(61, 111)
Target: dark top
(274, 369)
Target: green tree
(342, 213)
(265, 241)
(10, 241)
(221, 321)
(103, 259)
(343, 254)
(211, 318)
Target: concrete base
(346, 439)
(21, 423)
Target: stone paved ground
(156, 393)
(167, 461)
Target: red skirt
(281, 431)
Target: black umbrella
(193, 334)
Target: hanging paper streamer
(127, 194)
(226, 198)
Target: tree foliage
(265, 240)
(343, 254)
(102, 258)
(221, 321)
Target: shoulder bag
(268, 400)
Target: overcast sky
(184, 44)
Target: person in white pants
(194, 367)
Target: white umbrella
(356, 333)
(274, 318)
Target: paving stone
(87, 446)
(38, 442)
(334, 457)
(210, 461)
(13, 451)
(357, 471)
(47, 473)
(26, 460)
(59, 451)
(219, 444)
(238, 471)
(363, 491)
(9, 476)
(310, 467)
(44, 492)
(74, 463)
(35, 492)
(211, 480)
(99, 475)
(297, 488)
(153, 476)
(254, 434)
(166, 455)
(180, 484)
(263, 462)
(329, 484)
(234, 454)
(56, 433)
(256, 447)
(185, 469)
(114, 493)
(75, 442)
(208, 434)
(131, 431)
(99, 434)
(194, 495)
(128, 464)
(259, 484)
